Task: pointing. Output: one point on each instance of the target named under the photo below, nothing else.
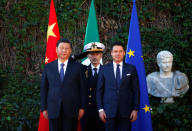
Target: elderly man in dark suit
(118, 92)
(91, 121)
(63, 90)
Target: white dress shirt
(64, 67)
(92, 68)
(120, 67)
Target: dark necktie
(95, 73)
(118, 78)
(62, 72)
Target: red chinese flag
(79, 126)
(53, 36)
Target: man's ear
(111, 53)
(56, 49)
(124, 53)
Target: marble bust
(165, 83)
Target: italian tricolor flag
(92, 34)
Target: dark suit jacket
(71, 94)
(125, 99)
(91, 86)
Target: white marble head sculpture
(167, 84)
(165, 61)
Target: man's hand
(45, 114)
(102, 116)
(81, 113)
(133, 116)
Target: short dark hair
(63, 40)
(117, 44)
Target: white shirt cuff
(101, 110)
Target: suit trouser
(91, 120)
(113, 124)
(62, 123)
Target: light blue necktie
(62, 72)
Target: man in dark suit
(63, 90)
(91, 120)
(118, 92)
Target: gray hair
(164, 54)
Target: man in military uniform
(91, 120)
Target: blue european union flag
(134, 57)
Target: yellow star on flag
(46, 60)
(142, 57)
(131, 53)
(50, 31)
(146, 108)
